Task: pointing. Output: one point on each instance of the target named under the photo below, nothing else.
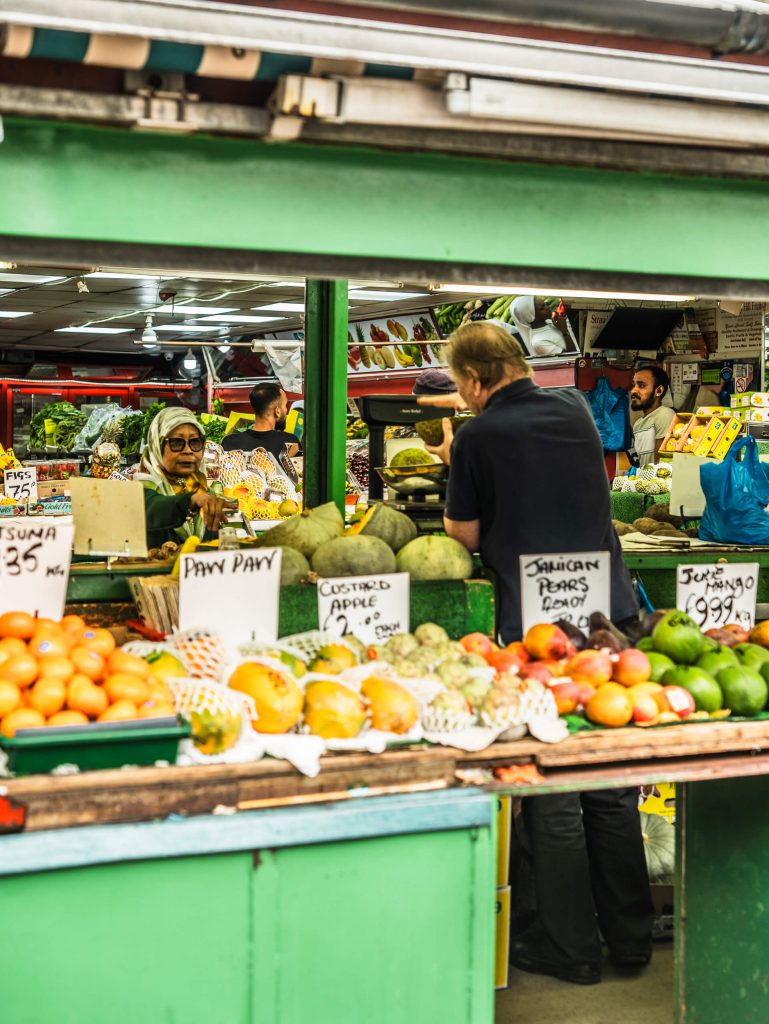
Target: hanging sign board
(718, 593)
(373, 608)
(568, 586)
(35, 556)
(235, 594)
(21, 484)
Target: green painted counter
(657, 571)
(375, 910)
(460, 606)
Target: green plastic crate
(91, 747)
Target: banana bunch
(408, 355)
(500, 309)
(8, 460)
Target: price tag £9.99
(35, 557)
(21, 484)
(717, 593)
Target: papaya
(435, 558)
(306, 531)
(391, 526)
(391, 706)
(353, 556)
(332, 710)
(276, 696)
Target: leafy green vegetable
(150, 415)
(133, 428)
(68, 423)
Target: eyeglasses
(176, 444)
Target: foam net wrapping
(205, 654)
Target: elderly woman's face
(186, 461)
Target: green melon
(411, 457)
(745, 690)
(353, 556)
(679, 637)
(306, 531)
(294, 567)
(700, 684)
(391, 526)
(435, 558)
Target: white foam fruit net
(205, 654)
(308, 645)
(232, 468)
(202, 695)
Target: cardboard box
(504, 824)
(758, 399)
(714, 410)
(713, 431)
(696, 430)
(756, 415)
(676, 433)
(52, 488)
(732, 430)
(502, 942)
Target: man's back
(530, 468)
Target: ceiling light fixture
(30, 278)
(180, 309)
(384, 296)
(224, 349)
(108, 275)
(81, 285)
(189, 362)
(149, 337)
(243, 319)
(281, 307)
(12, 314)
(186, 329)
(85, 329)
(547, 289)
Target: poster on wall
(742, 334)
(408, 341)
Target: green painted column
(325, 392)
(722, 914)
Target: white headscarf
(523, 312)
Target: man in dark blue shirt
(527, 476)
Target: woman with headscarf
(177, 502)
(541, 336)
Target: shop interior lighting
(108, 275)
(377, 296)
(185, 328)
(30, 278)
(149, 337)
(182, 310)
(281, 307)
(548, 289)
(93, 330)
(224, 349)
(189, 362)
(12, 314)
(243, 319)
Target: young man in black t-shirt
(270, 410)
(527, 477)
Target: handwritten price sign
(34, 567)
(716, 594)
(373, 608)
(21, 484)
(567, 586)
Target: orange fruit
(74, 626)
(120, 661)
(123, 686)
(10, 697)
(56, 666)
(84, 695)
(45, 641)
(21, 718)
(88, 663)
(157, 709)
(67, 718)
(99, 640)
(11, 645)
(159, 692)
(610, 705)
(48, 696)
(17, 624)
(120, 711)
(21, 669)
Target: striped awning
(135, 53)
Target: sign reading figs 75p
(235, 594)
(567, 586)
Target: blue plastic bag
(611, 412)
(736, 495)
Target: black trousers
(587, 860)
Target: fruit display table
(269, 915)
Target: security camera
(168, 356)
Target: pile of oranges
(68, 673)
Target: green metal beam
(74, 182)
(325, 391)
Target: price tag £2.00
(21, 484)
(718, 593)
(35, 557)
(372, 608)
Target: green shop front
(373, 893)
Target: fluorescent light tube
(93, 330)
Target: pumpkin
(659, 838)
(435, 558)
(391, 706)
(276, 696)
(391, 526)
(353, 556)
(332, 710)
(294, 567)
(306, 531)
